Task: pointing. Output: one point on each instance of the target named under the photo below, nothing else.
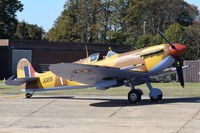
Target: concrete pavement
(99, 114)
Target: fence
(192, 74)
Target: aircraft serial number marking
(82, 71)
(49, 79)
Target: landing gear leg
(29, 95)
(134, 95)
(155, 94)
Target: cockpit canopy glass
(110, 53)
(94, 57)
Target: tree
(8, 21)
(144, 41)
(78, 22)
(117, 24)
(175, 33)
(35, 32)
(160, 14)
(121, 21)
(192, 41)
(133, 20)
(22, 31)
(25, 31)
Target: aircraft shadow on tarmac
(106, 102)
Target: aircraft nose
(177, 50)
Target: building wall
(42, 58)
(4, 63)
(45, 53)
(18, 55)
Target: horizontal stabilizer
(19, 81)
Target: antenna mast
(86, 49)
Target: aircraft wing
(19, 81)
(91, 74)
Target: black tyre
(141, 92)
(28, 95)
(134, 96)
(157, 98)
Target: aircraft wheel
(134, 96)
(156, 98)
(141, 92)
(28, 95)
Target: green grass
(169, 89)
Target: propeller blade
(179, 71)
(177, 58)
(163, 36)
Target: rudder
(25, 69)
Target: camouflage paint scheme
(137, 57)
(45, 80)
(149, 57)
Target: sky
(45, 12)
(41, 12)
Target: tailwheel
(28, 95)
(156, 98)
(134, 96)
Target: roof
(44, 44)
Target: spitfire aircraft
(130, 69)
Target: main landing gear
(155, 94)
(134, 95)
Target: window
(110, 53)
(94, 57)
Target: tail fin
(25, 69)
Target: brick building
(43, 53)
